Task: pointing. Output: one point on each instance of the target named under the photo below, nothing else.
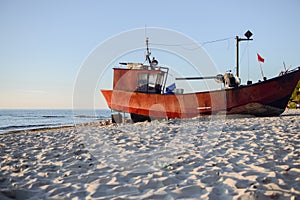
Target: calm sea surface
(14, 120)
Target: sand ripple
(248, 158)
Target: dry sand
(206, 158)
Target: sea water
(17, 120)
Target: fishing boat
(140, 89)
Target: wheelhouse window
(150, 82)
(142, 82)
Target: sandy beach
(203, 158)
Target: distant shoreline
(287, 112)
(15, 120)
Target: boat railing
(165, 70)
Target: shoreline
(106, 122)
(247, 158)
(57, 128)
(23, 120)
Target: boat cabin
(140, 78)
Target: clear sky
(44, 43)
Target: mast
(237, 56)
(248, 34)
(148, 52)
(152, 62)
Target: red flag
(260, 59)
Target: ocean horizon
(29, 119)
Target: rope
(191, 44)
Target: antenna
(284, 66)
(148, 53)
(147, 45)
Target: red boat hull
(267, 98)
